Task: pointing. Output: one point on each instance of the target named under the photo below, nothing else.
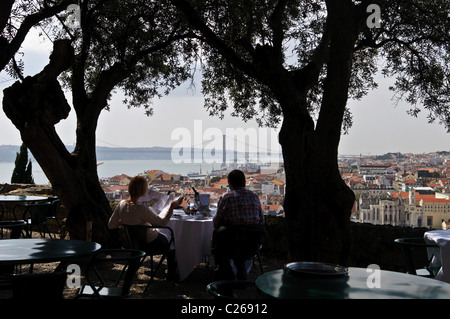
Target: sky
(379, 126)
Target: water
(6, 169)
(110, 168)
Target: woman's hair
(236, 178)
(137, 187)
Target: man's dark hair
(236, 178)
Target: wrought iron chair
(12, 227)
(238, 243)
(411, 248)
(35, 216)
(104, 283)
(53, 211)
(137, 239)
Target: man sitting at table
(238, 228)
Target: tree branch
(210, 37)
(8, 52)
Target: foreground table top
(360, 283)
(24, 251)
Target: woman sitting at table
(131, 212)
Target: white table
(192, 242)
(442, 238)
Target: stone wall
(371, 244)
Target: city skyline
(379, 126)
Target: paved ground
(193, 287)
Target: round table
(20, 199)
(29, 251)
(360, 283)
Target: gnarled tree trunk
(35, 106)
(318, 204)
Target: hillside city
(409, 190)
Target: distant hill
(134, 153)
(8, 153)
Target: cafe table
(31, 251)
(192, 240)
(19, 199)
(442, 239)
(358, 283)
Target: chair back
(106, 283)
(238, 241)
(38, 212)
(38, 285)
(136, 236)
(53, 212)
(15, 228)
(414, 252)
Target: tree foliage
(298, 62)
(17, 18)
(136, 46)
(411, 45)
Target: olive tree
(135, 46)
(298, 62)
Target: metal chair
(230, 289)
(12, 227)
(137, 239)
(35, 216)
(53, 211)
(411, 248)
(38, 285)
(104, 283)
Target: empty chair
(11, 229)
(137, 239)
(35, 216)
(53, 211)
(38, 285)
(414, 251)
(231, 289)
(104, 283)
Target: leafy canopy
(411, 44)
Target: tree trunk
(35, 106)
(317, 201)
(318, 204)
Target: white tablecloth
(192, 242)
(442, 238)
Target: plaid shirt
(239, 207)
